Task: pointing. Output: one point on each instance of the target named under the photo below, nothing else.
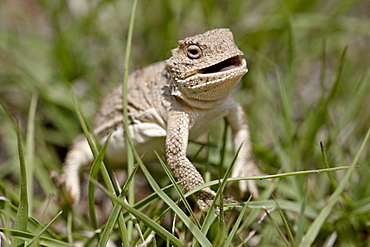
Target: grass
(306, 96)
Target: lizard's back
(147, 110)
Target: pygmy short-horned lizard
(168, 103)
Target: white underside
(146, 137)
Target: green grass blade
(186, 220)
(144, 218)
(92, 144)
(330, 175)
(8, 115)
(280, 175)
(326, 165)
(281, 234)
(314, 229)
(69, 227)
(37, 236)
(236, 225)
(287, 228)
(30, 148)
(338, 77)
(21, 219)
(112, 219)
(218, 198)
(310, 212)
(146, 201)
(9, 210)
(115, 214)
(320, 115)
(180, 193)
(300, 224)
(93, 174)
(160, 215)
(130, 156)
(125, 237)
(108, 181)
(223, 147)
(44, 241)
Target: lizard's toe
(205, 199)
(247, 185)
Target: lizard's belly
(146, 138)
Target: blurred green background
(308, 81)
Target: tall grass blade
(44, 241)
(146, 201)
(161, 231)
(21, 219)
(338, 77)
(125, 236)
(321, 114)
(287, 228)
(236, 225)
(280, 175)
(223, 147)
(69, 227)
(302, 214)
(326, 165)
(218, 198)
(112, 219)
(37, 236)
(108, 181)
(314, 229)
(30, 148)
(8, 115)
(130, 157)
(90, 191)
(180, 193)
(201, 238)
(281, 234)
(9, 210)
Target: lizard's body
(168, 103)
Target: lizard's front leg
(184, 170)
(244, 166)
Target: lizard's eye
(194, 52)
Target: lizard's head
(207, 66)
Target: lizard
(170, 102)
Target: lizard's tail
(78, 156)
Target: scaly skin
(169, 103)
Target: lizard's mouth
(211, 83)
(228, 64)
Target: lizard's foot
(205, 199)
(249, 170)
(72, 187)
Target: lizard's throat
(210, 84)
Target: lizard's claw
(205, 199)
(249, 170)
